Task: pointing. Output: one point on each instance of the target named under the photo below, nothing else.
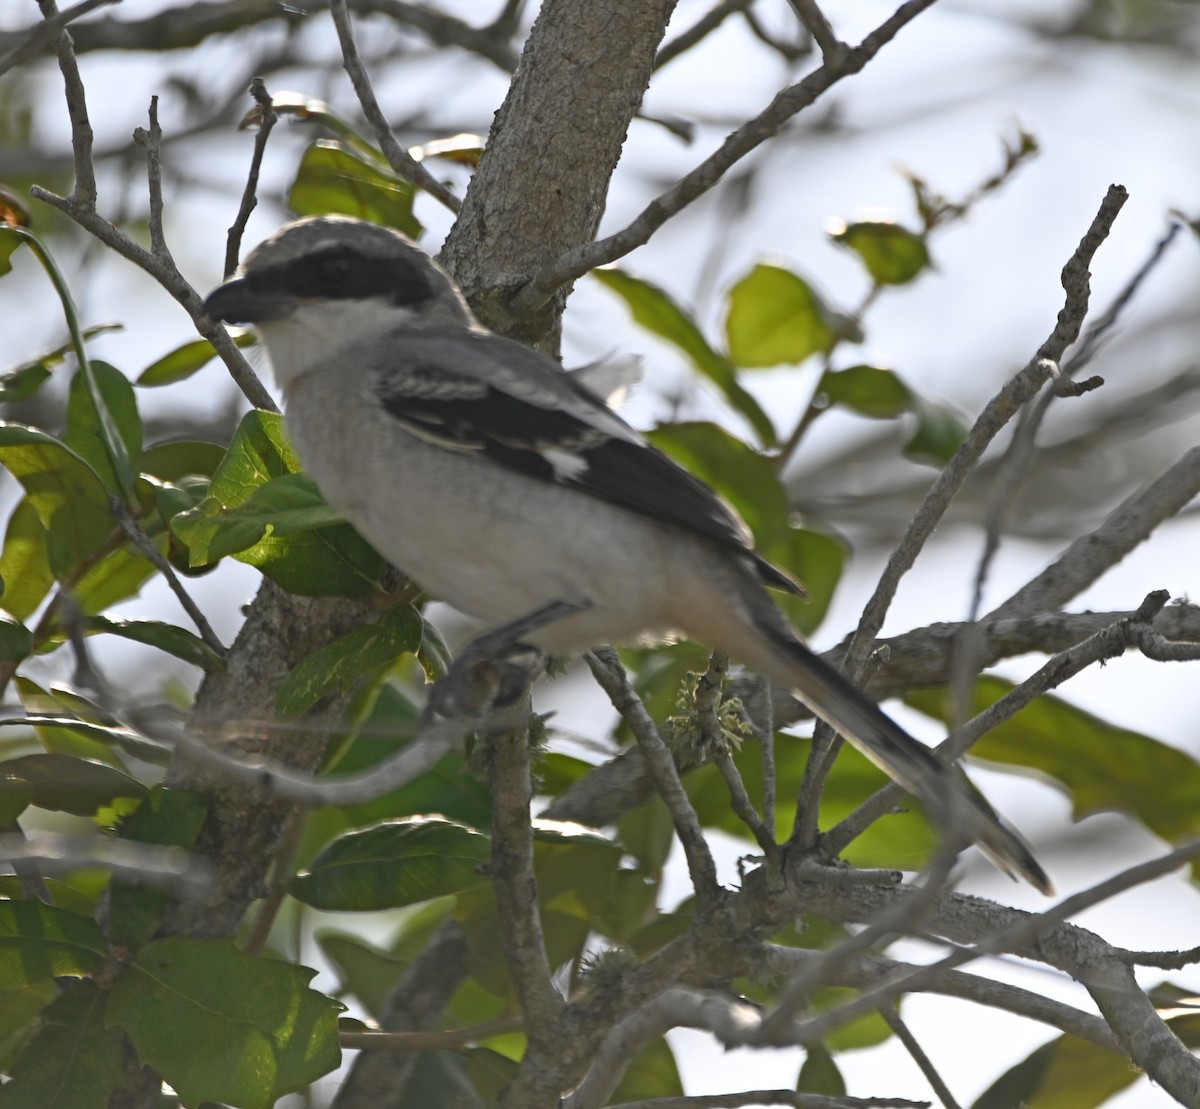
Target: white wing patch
(567, 465)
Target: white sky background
(936, 100)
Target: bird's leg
(497, 669)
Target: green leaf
(334, 178)
(463, 149)
(258, 452)
(400, 863)
(880, 394)
(738, 472)
(74, 1058)
(166, 637)
(8, 246)
(325, 562)
(21, 383)
(1066, 1073)
(940, 432)
(172, 462)
(490, 1073)
(282, 527)
(819, 1074)
(1103, 767)
(38, 941)
(84, 740)
(868, 390)
(16, 640)
(892, 254)
(67, 783)
(25, 562)
(19, 1011)
(15, 797)
(816, 561)
(366, 971)
(221, 1025)
(746, 479)
(335, 668)
(439, 1078)
(448, 788)
(775, 317)
(652, 1073)
(903, 839)
(183, 361)
(116, 577)
(166, 818)
(88, 413)
(107, 431)
(654, 310)
(868, 1030)
(285, 505)
(69, 498)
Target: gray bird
(503, 486)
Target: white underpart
(315, 335)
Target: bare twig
(413, 1005)
(1095, 335)
(869, 969)
(922, 657)
(151, 142)
(167, 868)
(282, 868)
(1001, 409)
(715, 745)
(1163, 960)
(608, 672)
(1026, 928)
(403, 163)
(1110, 642)
(998, 411)
(730, 1019)
(83, 194)
(155, 557)
(699, 31)
(81, 207)
(771, 1097)
(274, 780)
(905, 1036)
(1014, 468)
(186, 25)
(902, 917)
(820, 28)
(266, 121)
(44, 31)
(453, 1039)
(1091, 555)
(1096, 965)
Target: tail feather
(841, 704)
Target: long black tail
(945, 789)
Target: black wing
(520, 409)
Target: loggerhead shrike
(502, 485)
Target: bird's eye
(333, 270)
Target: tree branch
(511, 784)
(1111, 642)
(611, 677)
(401, 161)
(189, 25)
(752, 134)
